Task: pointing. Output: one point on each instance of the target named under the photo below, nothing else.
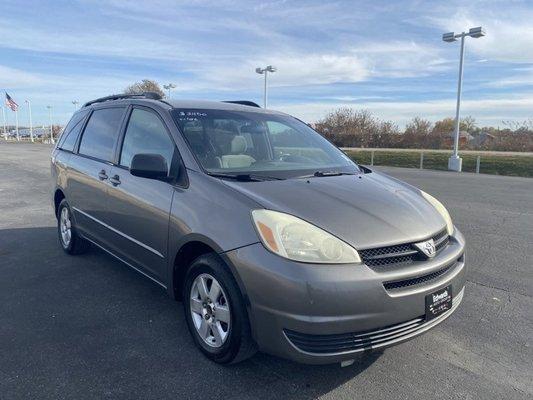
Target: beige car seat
(237, 159)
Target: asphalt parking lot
(89, 327)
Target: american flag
(11, 103)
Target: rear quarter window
(101, 133)
(71, 132)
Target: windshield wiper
(319, 174)
(244, 177)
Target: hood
(368, 210)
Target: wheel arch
(58, 197)
(188, 249)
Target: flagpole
(17, 124)
(4, 117)
(31, 125)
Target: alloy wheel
(65, 227)
(210, 310)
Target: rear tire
(69, 239)
(216, 315)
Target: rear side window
(146, 134)
(72, 130)
(70, 140)
(101, 133)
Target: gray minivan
(273, 239)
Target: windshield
(245, 142)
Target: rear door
(90, 170)
(139, 208)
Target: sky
(384, 56)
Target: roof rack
(144, 95)
(243, 102)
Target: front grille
(401, 254)
(442, 243)
(439, 236)
(365, 340)
(419, 279)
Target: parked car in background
(271, 237)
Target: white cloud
(400, 59)
(11, 77)
(107, 42)
(523, 78)
(374, 60)
(294, 70)
(353, 98)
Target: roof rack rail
(243, 102)
(144, 95)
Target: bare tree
(347, 127)
(356, 128)
(416, 133)
(418, 126)
(146, 85)
(443, 127)
(526, 125)
(467, 124)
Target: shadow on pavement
(90, 327)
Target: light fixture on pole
(265, 71)
(75, 102)
(29, 114)
(50, 119)
(455, 162)
(169, 87)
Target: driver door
(138, 207)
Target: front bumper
(293, 305)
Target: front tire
(69, 239)
(215, 311)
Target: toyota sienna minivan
(273, 239)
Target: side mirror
(151, 166)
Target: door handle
(102, 175)
(115, 180)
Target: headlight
(441, 209)
(297, 240)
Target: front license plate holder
(438, 302)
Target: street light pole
(455, 163)
(265, 91)
(75, 102)
(265, 71)
(51, 128)
(458, 106)
(169, 87)
(31, 125)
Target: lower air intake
(360, 341)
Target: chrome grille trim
(401, 254)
